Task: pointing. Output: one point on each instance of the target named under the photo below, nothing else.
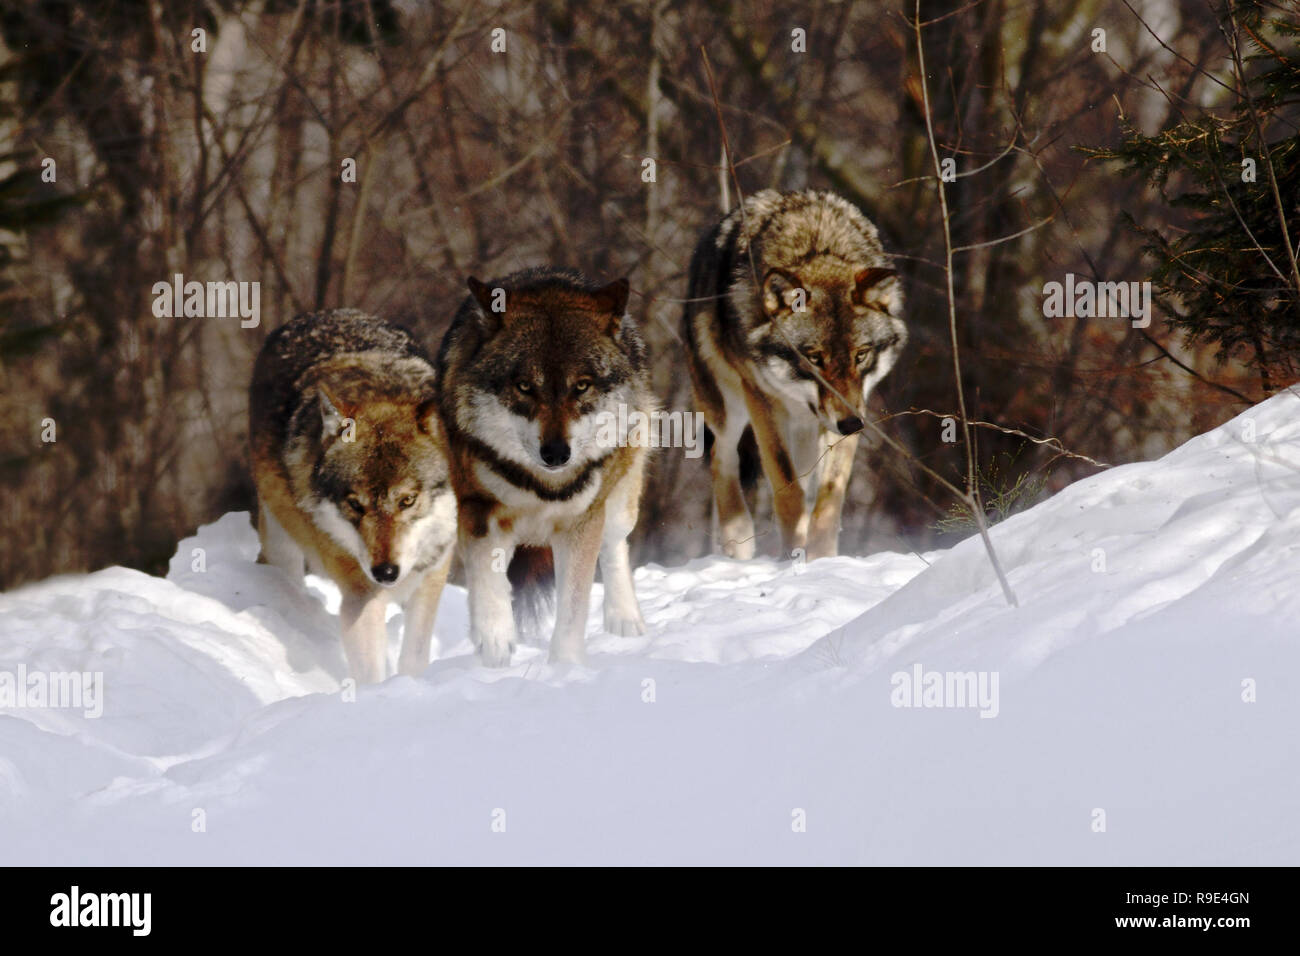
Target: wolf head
(379, 486)
(556, 359)
(829, 334)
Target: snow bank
(1146, 709)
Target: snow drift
(1145, 694)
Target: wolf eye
(862, 355)
(581, 386)
(406, 501)
(524, 386)
(354, 503)
(817, 359)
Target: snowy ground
(1151, 674)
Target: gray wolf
(533, 367)
(793, 315)
(350, 462)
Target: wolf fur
(529, 367)
(350, 462)
(793, 316)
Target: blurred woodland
(225, 164)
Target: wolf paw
(567, 655)
(621, 625)
(740, 550)
(817, 550)
(495, 652)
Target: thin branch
(1001, 239)
(1051, 442)
(1195, 66)
(1245, 94)
(972, 485)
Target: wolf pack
(376, 461)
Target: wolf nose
(555, 452)
(849, 424)
(385, 573)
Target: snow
(755, 722)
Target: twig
(994, 426)
(1001, 239)
(1245, 94)
(972, 485)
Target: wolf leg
(575, 552)
(735, 524)
(365, 635)
(622, 613)
(837, 468)
(420, 612)
(491, 619)
(723, 405)
(278, 548)
(806, 444)
(787, 492)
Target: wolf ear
(612, 299)
(489, 318)
(333, 414)
(867, 280)
(426, 416)
(783, 290)
(611, 302)
(481, 292)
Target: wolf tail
(532, 583)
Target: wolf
(350, 461)
(793, 315)
(531, 372)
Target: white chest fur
(533, 519)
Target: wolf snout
(385, 573)
(849, 425)
(555, 452)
